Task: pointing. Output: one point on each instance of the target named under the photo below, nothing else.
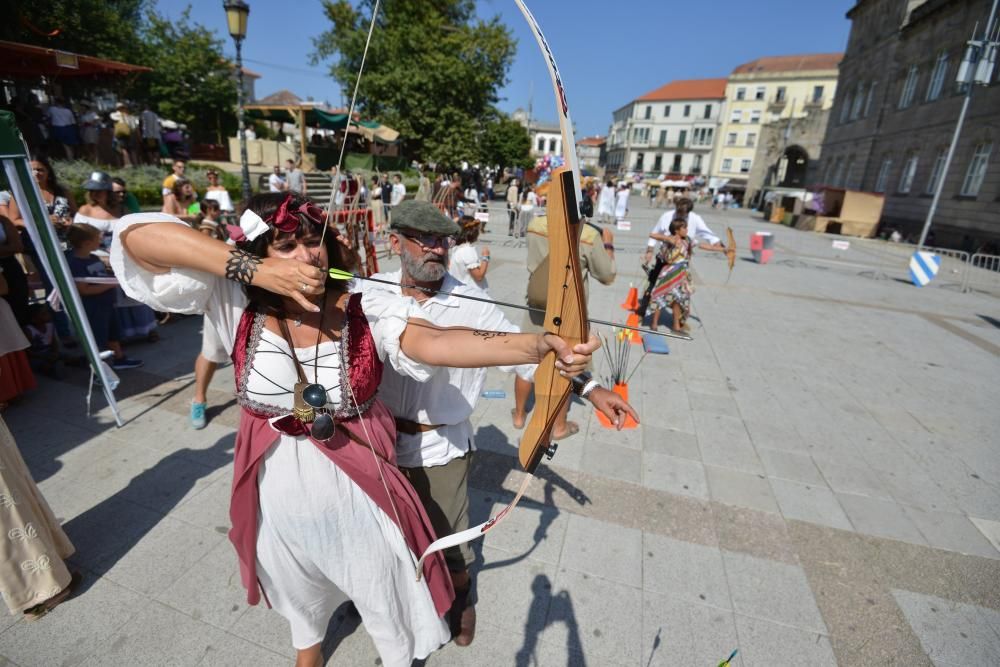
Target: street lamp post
(237, 12)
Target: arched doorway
(792, 167)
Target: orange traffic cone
(621, 390)
(632, 300)
(632, 321)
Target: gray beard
(417, 269)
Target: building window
(838, 172)
(744, 166)
(731, 139)
(640, 135)
(883, 174)
(751, 140)
(754, 115)
(702, 136)
(817, 94)
(657, 163)
(845, 108)
(779, 96)
(541, 144)
(663, 138)
(666, 111)
(682, 139)
(859, 98)
(760, 93)
(687, 110)
(708, 111)
(868, 99)
(909, 87)
(676, 167)
(936, 170)
(696, 165)
(727, 165)
(977, 170)
(909, 171)
(639, 160)
(937, 77)
(649, 113)
(847, 172)
(741, 93)
(736, 115)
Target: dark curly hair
(468, 230)
(677, 224)
(266, 205)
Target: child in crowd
(209, 222)
(465, 264)
(98, 296)
(44, 354)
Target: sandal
(39, 610)
(572, 428)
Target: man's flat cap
(422, 216)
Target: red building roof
(799, 63)
(592, 141)
(691, 89)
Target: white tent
(14, 156)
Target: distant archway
(792, 167)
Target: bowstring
(330, 209)
(331, 204)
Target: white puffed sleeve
(178, 290)
(387, 314)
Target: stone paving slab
(814, 482)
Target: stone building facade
(896, 111)
(591, 154)
(787, 153)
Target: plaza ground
(815, 481)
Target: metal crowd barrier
(953, 270)
(982, 274)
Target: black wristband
(579, 382)
(241, 266)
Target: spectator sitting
(123, 202)
(98, 297)
(99, 211)
(209, 222)
(182, 201)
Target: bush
(145, 182)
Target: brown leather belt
(412, 428)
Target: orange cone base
(621, 390)
(632, 300)
(633, 336)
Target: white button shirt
(698, 231)
(449, 396)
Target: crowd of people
(341, 405)
(123, 136)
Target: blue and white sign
(923, 267)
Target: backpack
(122, 130)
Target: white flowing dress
(621, 204)
(321, 539)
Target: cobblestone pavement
(814, 481)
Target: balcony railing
(815, 102)
(776, 103)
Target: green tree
(191, 81)
(433, 70)
(104, 28)
(505, 142)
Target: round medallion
(314, 395)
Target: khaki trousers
(444, 491)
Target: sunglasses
(322, 426)
(429, 241)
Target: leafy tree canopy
(104, 28)
(191, 81)
(505, 142)
(433, 70)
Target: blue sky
(607, 53)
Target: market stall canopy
(323, 119)
(25, 60)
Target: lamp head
(236, 17)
